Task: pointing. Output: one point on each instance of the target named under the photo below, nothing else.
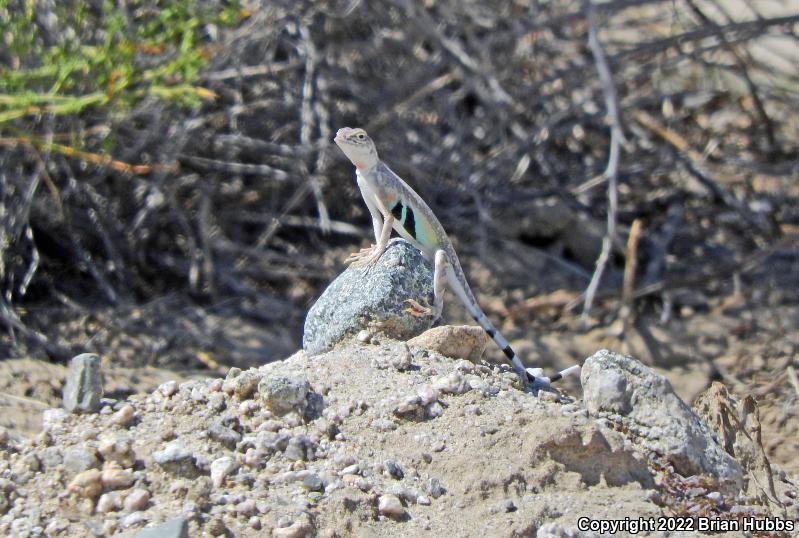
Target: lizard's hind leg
(439, 285)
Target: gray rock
(505, 506)
(300, 447)
(77, 460)
(434, 488)
(84, 387)
(313, 482)
(51, 456)
(175, 528)
(608, 392)
(622, 389)
(272, 441)
(224, 435)
(360, 298)
(282, 394)
(394, 469)
(176, 459)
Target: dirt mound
(366, 440)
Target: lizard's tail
(571, 370)
(543, 382)
(468, 300)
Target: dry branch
(612, 170)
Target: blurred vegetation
(81, 56)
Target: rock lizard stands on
(393, 204)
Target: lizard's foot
(418, 310)
(364, 257)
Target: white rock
(108, 502)
(53, 420)
(428, 395)
(169, 388)
(221, 468)
(137, 500)
(350, 469)
(453, 383)
(390, 506)
(124, 416)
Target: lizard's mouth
(341, 134)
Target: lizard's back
(417, 223)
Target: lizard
(394, 205)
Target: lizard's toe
(360, 258)
(417, 309)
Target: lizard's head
(357, 146)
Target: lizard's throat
(364, 166)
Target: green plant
(64, 58)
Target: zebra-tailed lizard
(393, 204)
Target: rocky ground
(374, 436)
(379, 438)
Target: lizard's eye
(361, 136)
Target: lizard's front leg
(368, 257)
(439, 285)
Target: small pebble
(53, 420)
(117, 449)
(115, 477)
(384, 425)
(137, 518)
(508, 506)
(350, 469)
(452, 383)
(75, 460)
(434, 410)
(174, 452)
(390, 506)
(87, 484)
(300, 447)
(282, 394)
(108, 502)
(224, 435)
(402, 362)
(32, 462)
(136, 500)
(428, 395)
(394, 469)
(247, 507)
(312, 482)
(364, 336)
(434, 488)
(174, 528)
(169, 388)
(124, 416)
(298, 529)
(221, 468)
